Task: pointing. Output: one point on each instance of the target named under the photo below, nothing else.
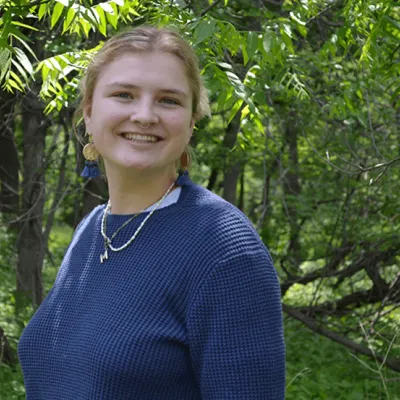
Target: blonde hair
(148, 39)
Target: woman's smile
(137, 137)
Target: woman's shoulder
(210, 205)
(220, 223)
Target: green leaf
(303, 30)
(24, 25)
(4, 56)
(252, 43)
(103, 22)
(48, 64)
(134, 12)
(64, 60)
(268, 42)
(85, 27)
(5, 63)
(245, 112)
(45, 70)
(221, 100)
(118, 2)
(107, 8)
(24, 60)
(296, 19)
(68, 20)
(17, 79)
(259, 124)
(57, 11)
(50, 107)
(55, 63)
(288, 30)
(92, 16)
(251, 75)
(224, 65)
(13, 84)
(42, 10)
(287, 37)
(5, 46)
(234, 110)
(112, 19)
(231, 36)
(204, 30)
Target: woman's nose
(144, 113)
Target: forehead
(146, 69)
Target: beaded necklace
(108, 241)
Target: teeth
(143, 138)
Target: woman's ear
(191, 127)
(87, 117)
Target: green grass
(318, 368)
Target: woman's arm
(235, 331)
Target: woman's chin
(137, 165)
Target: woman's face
(133, 91)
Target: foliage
(319, 369)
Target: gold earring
(89, 151)
(91, 154)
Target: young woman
(167, 291)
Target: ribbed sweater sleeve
(235, 331)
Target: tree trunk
(232, 168)
(291, 186)
(212, 179)
(30, 244)
(9, 166)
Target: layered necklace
(108, 240)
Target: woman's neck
(129, 194)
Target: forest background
(304, 139)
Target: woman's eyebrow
(122, 84)
(132, 86)
(175, 91)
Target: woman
(166, 292)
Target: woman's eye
(123, 95)
(167, 100)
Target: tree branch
(209, 8)
(350, 344)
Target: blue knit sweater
(190, 310)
